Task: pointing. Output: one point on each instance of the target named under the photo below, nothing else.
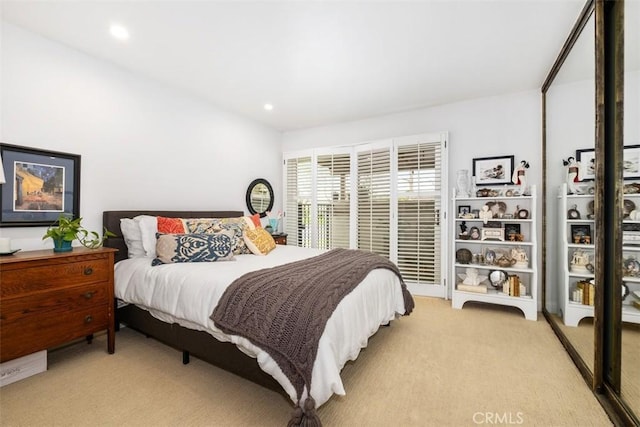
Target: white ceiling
(317, 62)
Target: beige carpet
(438, 367)
(582, 338)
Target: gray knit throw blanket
(284, 310)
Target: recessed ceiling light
(268, 107)
(119, 32)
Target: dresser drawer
(56, 301)
(27, 334)
(44, 277)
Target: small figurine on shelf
(485, 214)
(574, 174)
(472, 277)
(580, 262)
(520, 257)
(519, 177)
(463, 231)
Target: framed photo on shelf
(463, 210)
(493, 170)
(581, 234)
(631, 162)
(40, 186)
(474, 233)
(512, 232)
(587, 159)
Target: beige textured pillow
(259, 241)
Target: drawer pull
(88, 319)
(89, 295)
(88, 271)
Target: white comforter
(188, 293)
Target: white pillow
(148, 229)
(132, 237)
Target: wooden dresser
(49, 298)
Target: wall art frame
(631, 162)
(587, 159)
(493, 170)
(630, 165)
(41, 185)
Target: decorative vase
(462, 183)
(274, 224)
(62, 246)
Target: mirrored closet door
(569, 190)
(630, 340)
(591, 186)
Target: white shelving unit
(528, 276)
(573, 311)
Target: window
(384, 197)
(298, 201)
(418, 190)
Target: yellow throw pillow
(259, 241)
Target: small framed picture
(587, 160)
(463, 210)
(493, 170)
(474, 233)
(581, 234)
(512, 232)
(631, 162)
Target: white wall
(500, 125)
(143, 146)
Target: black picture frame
(630, 164)
(41, 185)
(496, 170)
(581, 234)
(464, 209)
(587, 158)
(511, 229)
(474, 233)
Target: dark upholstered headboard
(111, 220)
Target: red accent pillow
(170, 225)
(256, 220)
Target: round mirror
(259, 197)
(497, 278)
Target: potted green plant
(66, 230)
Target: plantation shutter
(418, 190)
(333, 183)
(374, 201)
(298, 198)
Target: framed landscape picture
(493, 170)
(631, 162)
(40, 186)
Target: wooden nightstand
(49, 298)
(280, 238)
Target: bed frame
(198, 343)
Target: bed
(189, 292)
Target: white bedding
(188, 293)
